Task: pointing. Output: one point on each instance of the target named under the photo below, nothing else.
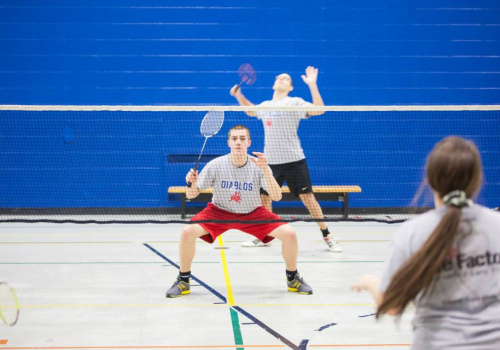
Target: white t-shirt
(462, 310)
(234, 189)
(282, 144)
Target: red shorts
(259, 230)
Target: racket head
(9, 304)
(212, 123)
(247, 74)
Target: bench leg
(345, 206)
(183, 206)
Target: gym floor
(90, 286)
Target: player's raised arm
(242, 100)
(311, 78)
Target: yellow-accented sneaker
(298, 285)
(178, 288)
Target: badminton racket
(9, 304)
(210, 125)
(247, 75)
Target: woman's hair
(453, 165)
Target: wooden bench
(322, 193)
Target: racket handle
(189, 184)
(238, 86)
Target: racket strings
(212, 123)
(247, 74)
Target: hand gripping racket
(247, 75)
(210, 125)
(9, 304)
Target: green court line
(238, 337)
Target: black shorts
(296, 175)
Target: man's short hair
(238, 127)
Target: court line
(142, 347)
(196, 346)
(235, 321)
(361, 241)
(267, 328)
(237, 308)
(174, 242)
(213, 291)
(56, 306)
(226, 272)
(197, 262)
(104, 242)
(353, 345)
(82, 263)
(238, 337)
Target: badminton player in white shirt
(282, 145)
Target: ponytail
(454, 173)
(418, 272)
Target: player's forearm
(243, 101)
(192, 192)
(273, 188)
(317, 100)
(377, 295)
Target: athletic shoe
(298, 285)
(178, 288)
(254, 243)
(333, 246)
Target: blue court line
(325, 326)
(267, 328)
(216, 293)
(236, 308)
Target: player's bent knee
(190, 232)
(285, 233)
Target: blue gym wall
(147, 52)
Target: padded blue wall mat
(150, 52)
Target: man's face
(239, 141)
(283, 82)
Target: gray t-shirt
(234, 189)
(462, 309)
(282, 144)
